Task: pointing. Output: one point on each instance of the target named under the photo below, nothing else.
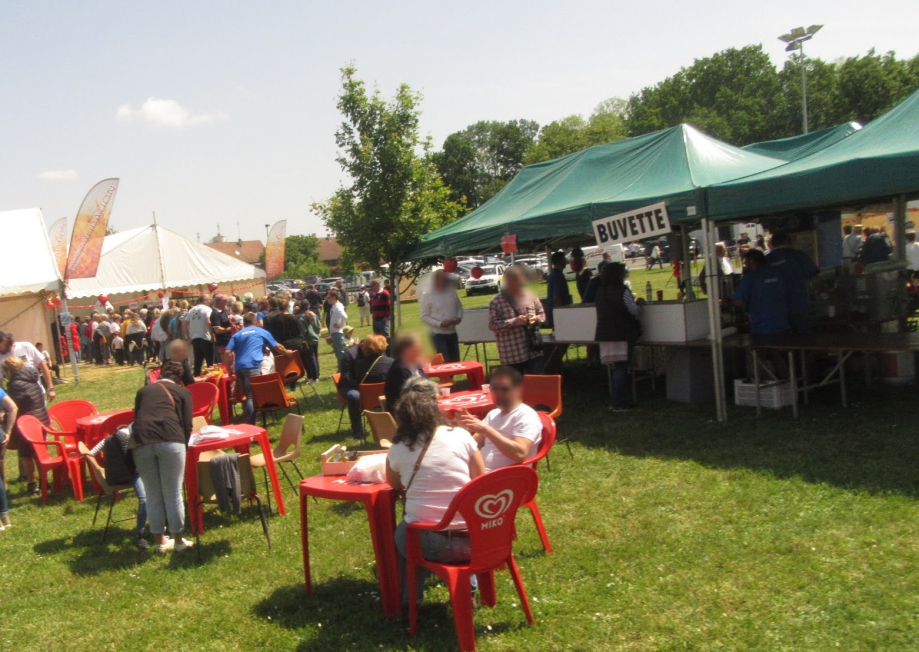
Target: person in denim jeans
(248, 346)
(159, 437)
(431, 461)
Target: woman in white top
(451, 458)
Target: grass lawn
(672, 532)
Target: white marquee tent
(27, 274)
(151, 258)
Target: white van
(594, 256)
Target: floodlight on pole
(795, 40)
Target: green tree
(734, 95)
(479, 160)
(870, 85)
(394, 195)
(573, 133)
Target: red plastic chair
(50, 455)
(203, 400)
(269, 395)
(545, 445)
(154, 375)
(488, 504)
(65, 415)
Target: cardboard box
(334, 462)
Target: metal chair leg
(341, 417)
(109, 519)
(98, 505)
(261, 515)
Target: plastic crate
(773, 395)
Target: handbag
(534, 337)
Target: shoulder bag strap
(417, 466)
(371, 368)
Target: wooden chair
(247, 489)
(382, 427)
(109, 490)
(341, 399)
(370, 396)
(269, 395)
(287, 451)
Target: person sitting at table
(159, 437)
(430, 460)
(120, 470)
(248, 347)
(406, 352)
(761, 292)
(368, 364)
(511, 432)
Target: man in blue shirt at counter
(796, 269)
(248, 345)
(762, 292)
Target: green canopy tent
(877, 162)
(791, 149)
(557, 200)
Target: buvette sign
(648, 222)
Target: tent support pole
(899, 226)
(67, 338)
(714, 318)
(687, 263)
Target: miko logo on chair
(491, 506)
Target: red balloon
(212, 287)
(450, 265)
(103, 299)
(57, 303)
(160, 295)
(476, 272)
(49, 305)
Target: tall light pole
(267, 233)
(795, 40)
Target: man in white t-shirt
(31, 356)
(338, 319)
(510, 433)
(201, 333)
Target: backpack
(361, 299)
(118, 460)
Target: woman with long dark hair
(618, 328)
(431, 461)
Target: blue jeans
(447, 344)
(437, 547)
(4, 505)
(619, 386)
(354, 412)
(242, 377)
(141, 505)
(381, 327)
(534, 366)
(162, 470)
(338, 344)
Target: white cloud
(165, 113)
(58, 175)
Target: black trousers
(310, 356)
(204, 352)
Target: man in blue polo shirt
(762, 292)
(796, 269)
(249, 347)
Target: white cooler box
(674, 321)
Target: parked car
(490, 281)
(594, 256)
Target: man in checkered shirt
(510, 314)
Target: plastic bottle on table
(649, 292)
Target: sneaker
(33, 490)
(142, 544)
(163, 548)
(183, 544)
(2, 528)
(5, 521)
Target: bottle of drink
(649, 292)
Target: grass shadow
(95, 557)
(867, 446)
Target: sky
(223, 113)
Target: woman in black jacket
(159, 438)
(406, 353)
(24, 387)
(369, 364)
(618, 328)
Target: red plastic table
(477, 402)
(223, 399)
(90, 430)
(474, 372)
(241, 436)
(380, 502)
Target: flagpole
(67, 337)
